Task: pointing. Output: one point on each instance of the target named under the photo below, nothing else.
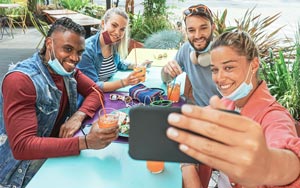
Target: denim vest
(48, 97)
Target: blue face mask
(242, 91)
(56, 66)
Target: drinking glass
(155, 167)
(140, 72)
(173, 90)
(108, 117)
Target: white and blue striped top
(108, 68)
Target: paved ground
(18, 48)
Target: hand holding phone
(147, 135)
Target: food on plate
(123, 123)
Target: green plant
(138, 30)
(259, 29)
(153, 8)
(141, 27)
(5, 1)
(74, 4)
(33, 5)
(282, 77)
(166, 39)
(220, 23)
(152, 20)
(93, 10)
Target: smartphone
(147, 135)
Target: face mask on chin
(106, 38)
(55, 65)
(242, 91)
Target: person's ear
(255, 64)
(102, 24)
(213, 27)
(48, 42)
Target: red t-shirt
(20, 119)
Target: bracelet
(87, 147)
(123, 85)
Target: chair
(40, 25)
(4, 21)
(17, 16)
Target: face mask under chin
(243, 90)
(201, 57)
(56, 66)
(106, 38)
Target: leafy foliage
(5, 1)
(74, 4)
(260, 29)
(154, 8)
(220, 23)
(32, 5)
(152, 20)
(282, 77)
(141, 27)
(93, 10)
(166, 39)
(138, 30)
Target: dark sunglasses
(197, 10)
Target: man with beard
(194, 55)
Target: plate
(123, 135)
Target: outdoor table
(59, 11)
(84, 20)
(110, 167)
(159, 56)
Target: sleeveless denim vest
(48, 97)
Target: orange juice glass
(173, 90)
(108, 118)
(140, 72)
(155, 167)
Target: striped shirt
(108, 68)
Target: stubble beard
(207, 41)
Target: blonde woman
(106, 50)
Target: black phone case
(147, 135)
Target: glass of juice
(140, 72)
(155, 167)
(173, 90)
(108, 117)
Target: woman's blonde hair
(122, 46)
